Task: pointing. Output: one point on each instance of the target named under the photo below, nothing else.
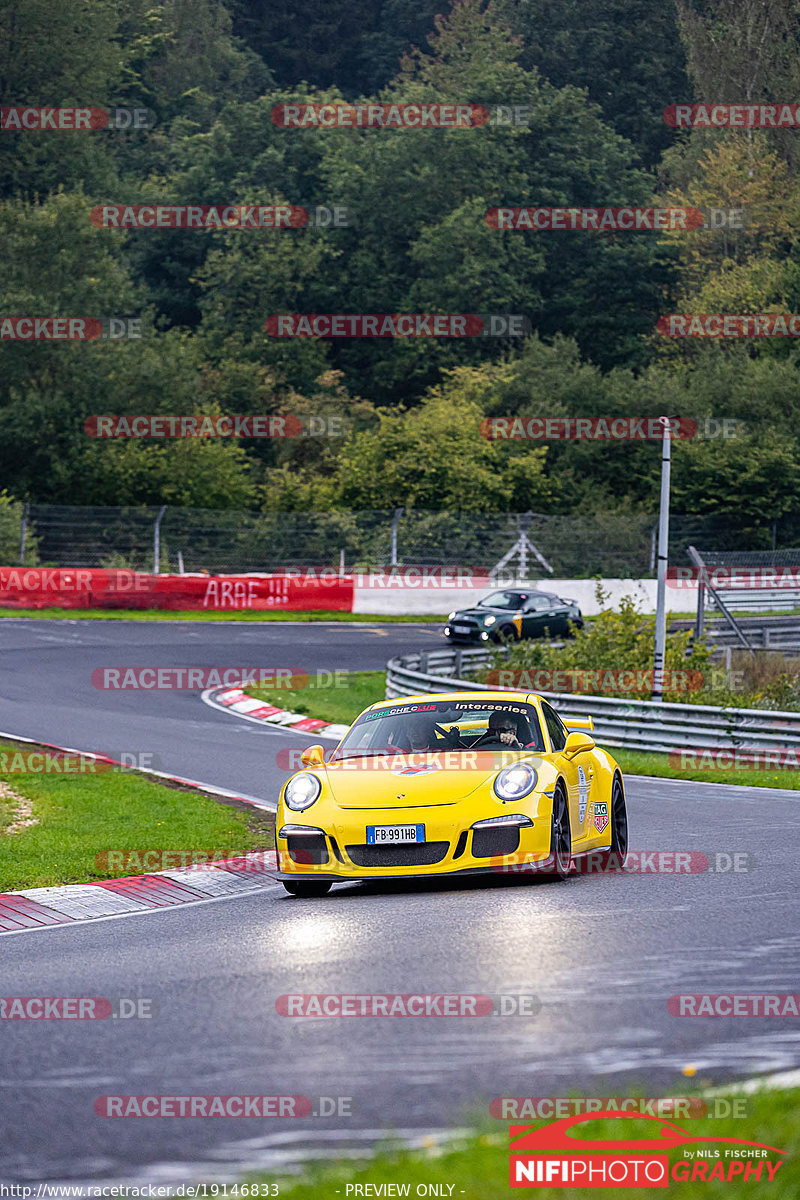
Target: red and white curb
(236, 701)
(40, 908)
(255, 801)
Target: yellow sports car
(452, 783)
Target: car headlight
(513, 819)
(490, 620)
(302, 791)
(450, 616)
(515, 781)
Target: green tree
(433, 457)
(626, 53)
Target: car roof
(525, 591)
(497, 695)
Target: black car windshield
(451, 725)
(510, 600)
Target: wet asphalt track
(602, 954)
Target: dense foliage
(594, 76)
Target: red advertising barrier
(39, 587)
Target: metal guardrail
(779, 635)
(635, 724)
(759, 600)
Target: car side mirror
(314, 756)
(578, 743)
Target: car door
(578, 771)
(554, 616)
(533, 616)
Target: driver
(416, 734)
(504, 727)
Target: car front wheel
(506, 633)
(560, 837)
(308, 888)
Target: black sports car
(513, 615)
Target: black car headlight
(515, 781)
(302, 791)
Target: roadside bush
(10, 517)
(616, 640)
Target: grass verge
(365, 687)
(477, 1168)
(339, 705)
(152, 614)
(82, 816)
(642, 762)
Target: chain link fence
(169, 539)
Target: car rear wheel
(560, 837)
(308, 888)
(619, 820)
(617, 852)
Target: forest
(400, 226)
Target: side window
(558, 734)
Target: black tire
(506, 633)
(560, 837)
(614, 858)
(308, 888)
(619, 820)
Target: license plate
(462, 629)
(382, 835)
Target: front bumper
(473, 636)
(338, 849)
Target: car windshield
(450, 725)
(510, 600)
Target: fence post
(398, 512)
(23, 529)
(157, 540)
(701, 609)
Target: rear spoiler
(578, 722)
